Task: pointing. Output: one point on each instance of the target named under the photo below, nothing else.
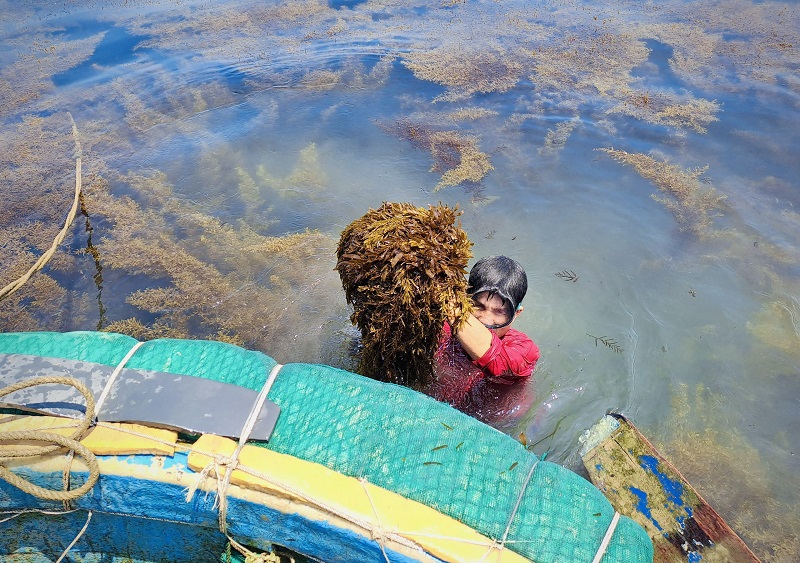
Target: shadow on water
(116, 48)
(660, 54)
(339, 4)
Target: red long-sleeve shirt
(514, 355)
(509, 360)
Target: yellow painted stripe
(313, 484)
(108, 439)
(302, 484)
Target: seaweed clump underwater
(403, 269)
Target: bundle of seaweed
(403, 271)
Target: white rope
(360, 522)
(499, 546)
(519, 501)
(232, 462)
(71, 545)
(378, 533)
(219, 460)
(113, 378)
(400, 537)
(256, 410)
(606, 539)
(14, 515)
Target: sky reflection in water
(211, 131)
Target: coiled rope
(55, 442)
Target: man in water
(483, 368)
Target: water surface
(639, 159)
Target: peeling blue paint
(642, 506)
(672, 488)
(179, 460)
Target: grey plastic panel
(181, 402)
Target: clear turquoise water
(197, 96)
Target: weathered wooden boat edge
(642, 484)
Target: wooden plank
(644, 486)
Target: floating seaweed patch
(470, 114)
(705, 445)
(38, 171)
(667, 108)
(307, 178)
(557, 138)
(570, 64)
(777, 325)
(465, 70)
(352, 75)
(403, 270)
(248, 189)
(756, 50)
(455, 154)
(135, 328)
(212, 284)
(607, 342)
(687, 197)
(322, 79)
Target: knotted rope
(251, 556)
(223, 477)
(56, 441)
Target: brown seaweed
(686, 194)
(455, 154)
(403, 271)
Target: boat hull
(354, 470)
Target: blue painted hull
(144, 521)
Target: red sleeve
(513, 355)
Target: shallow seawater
(639, 159)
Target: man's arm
(513, 356)
(474, 338)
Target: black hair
(500, 275)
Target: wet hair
(500, 275)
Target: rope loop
(56, 442)
(41, 492)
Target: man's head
(497, 285)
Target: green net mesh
(393, 437)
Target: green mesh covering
(393, 437)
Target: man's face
(493, 311)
